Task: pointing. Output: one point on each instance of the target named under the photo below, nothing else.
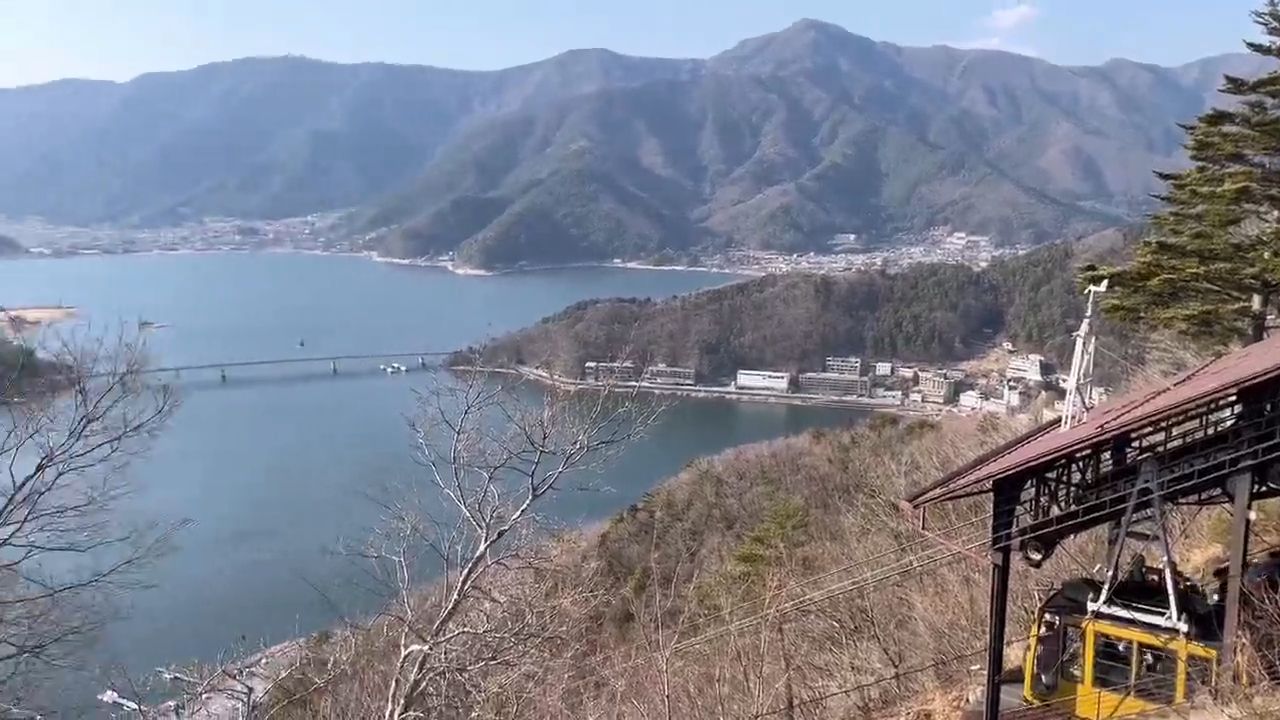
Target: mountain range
(780, 142)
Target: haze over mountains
(779, 142)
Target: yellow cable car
(1122, 657)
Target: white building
(844, 365)
(1012, 398)
(596, 371)
(883, 369)
(1098, 395)
(831, 383)
(937, 389)
(1029, 367)
(763, 380)
(974, 400)
(668, 375)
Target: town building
(1098, 395)
(601, 372)
(883, 369)
(971, 400)
(937, 389)
(1028, 367)
(906, 372)
(844, 365)
(831, 383)
(1012, 398)
(669, 375)
(763, 380)
(977, 400)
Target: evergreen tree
(1210, 267)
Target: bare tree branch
(68, 429)
(491, 456)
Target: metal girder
(1194, 453)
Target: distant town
(321, 232)
(313, 233)
(847, 252)
(843, 381)
(1005, 382)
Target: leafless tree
(242, 684)
(461, 550)
(661, 624)
(71, 417)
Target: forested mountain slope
(788, 139)
(261, 137)
(930, 313)
(779, 142)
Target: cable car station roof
(1208, 425)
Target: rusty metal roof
(1046, 444)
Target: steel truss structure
(1210, 437)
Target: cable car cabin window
(1059, 655)
(1048, 656)
(1156, 679)
(1072, 669)
(1112, 662)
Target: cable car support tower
(1211, 436)
(1075, 406)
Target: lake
(274, 468)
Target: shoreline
(15, 321)
(451, 266)
(713, 392)
(456, 269)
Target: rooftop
(1045, 445)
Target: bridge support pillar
(222, 375)
(422, 362)
(333, 366)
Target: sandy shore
(16, 321)
(457, 269)
(449, 265)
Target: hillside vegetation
(19, 365)
(778, 142)
(792, 321)
(260, 137)
(787, 139)
(719, 548)
(780, 579)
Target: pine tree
(1210, 267)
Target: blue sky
(42, 40)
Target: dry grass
(992, 364)
(19, 321)
(772, 581)
(692, 602)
